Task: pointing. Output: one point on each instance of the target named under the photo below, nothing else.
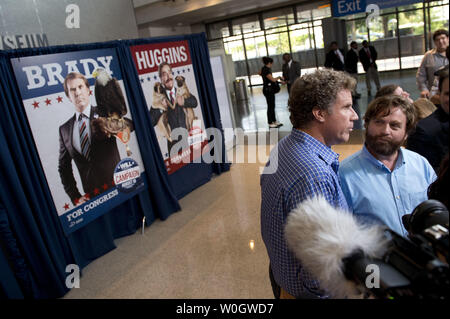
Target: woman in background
(268, 81)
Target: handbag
(274, 87)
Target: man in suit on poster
(176, 116)
(95, 158)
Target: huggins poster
(81, 123)
(168, 81)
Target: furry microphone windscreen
(321, 236)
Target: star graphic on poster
(155, 77)
(148, 79)
(35, 104)
(142, 80)
(189, 70)
(66, 206)
(184, 70)
(105, 186)
(48, 101)
(59, 99)
(96, 191)
(178, 72)
(90, 92)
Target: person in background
(435, 88)
(393, 89)
(268, 79)
(431, 62)
(301, 166)
(368, 57)
(430, 139)
(351, 65)
(335, 58)
(384, 181)
(291, 70)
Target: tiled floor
(213, 247)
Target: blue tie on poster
(342, 8)
(79, 116)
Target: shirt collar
(86, 112)
(317, 147)
(400, 160)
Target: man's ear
(319, 115)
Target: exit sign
(345, 7)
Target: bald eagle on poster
(111, 108)
(109, 95)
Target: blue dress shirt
(305, 168)
(376, 194)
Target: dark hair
(382, 107)
(72, 76)
(286, 54)
(161, 66)
(438, 190)
(364, 42)
(443, 74)
(353, 42)
(318, 89)
(439, 32)
(386, 90)
(266, 60)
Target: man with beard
(383, 182)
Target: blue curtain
(34, 251)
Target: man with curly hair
(322, 115)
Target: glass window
(301, 38)
(277, 43)
(256, 47)
(439, 16)
(248, 23)
(218, 30)
(318, 33)
(236, 49)
(412, 43)
(277, 18)
(321, 12)
(356, 30)
(383, 36)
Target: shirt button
(398, 197)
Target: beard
(383, 147)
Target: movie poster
(81, 123)
(168, 81)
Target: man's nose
(354, 115)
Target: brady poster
(168, 81)
(81, 123)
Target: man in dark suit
(95, 159)
(176, 115)
(368, 56)
(291, 70)
(335, 58)
(430, 138)
(351, 65)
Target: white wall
(100, 20)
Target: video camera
(349, 258)
(414, 267)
